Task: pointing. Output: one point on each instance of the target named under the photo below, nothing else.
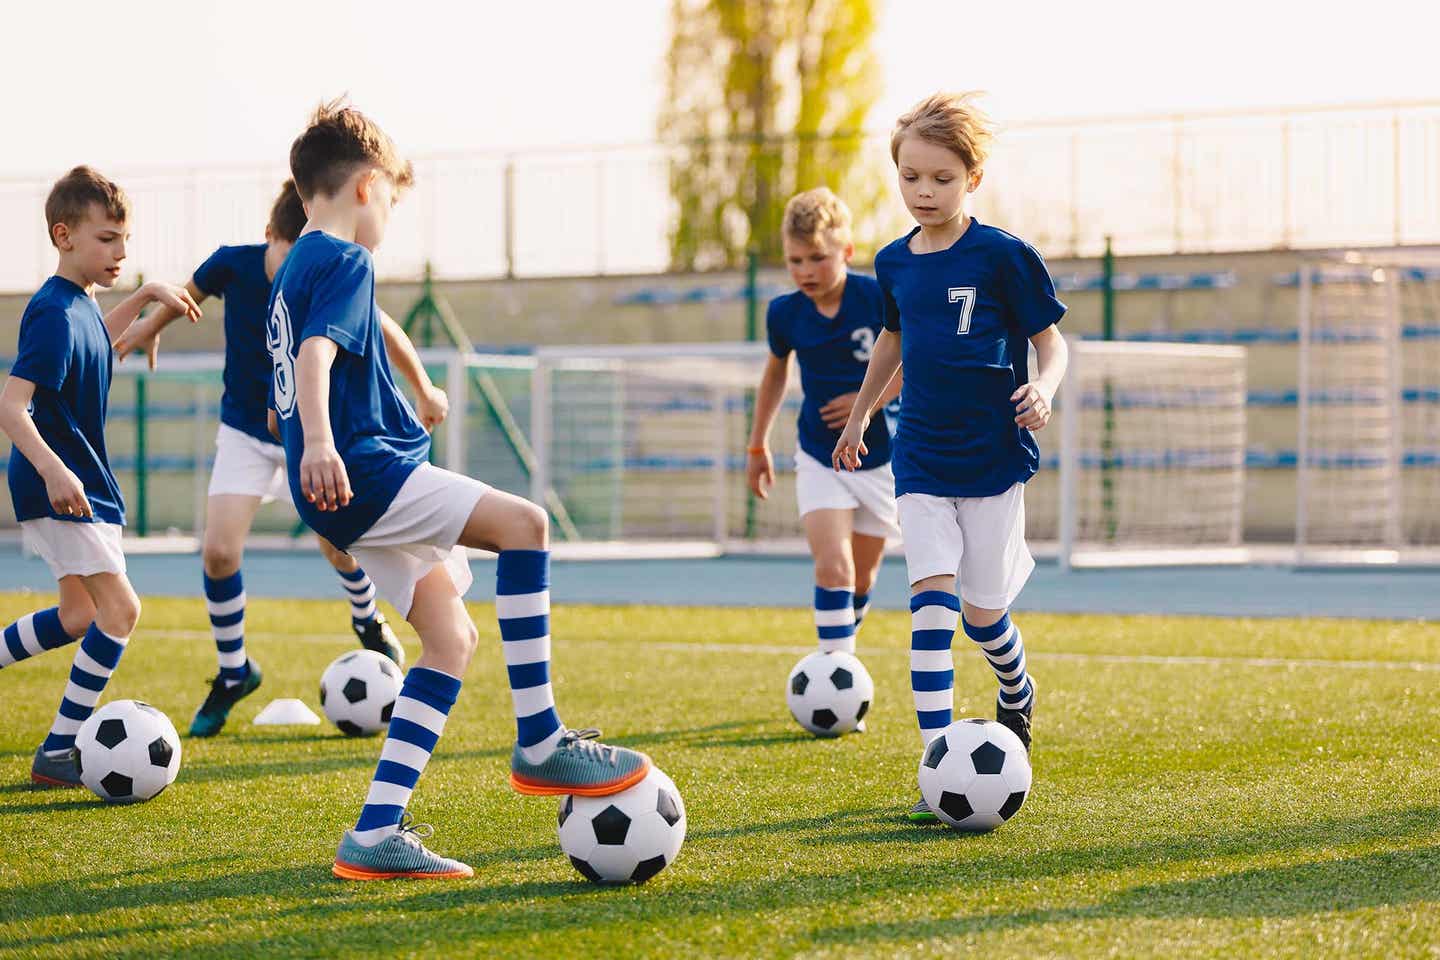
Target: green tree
(763, 98)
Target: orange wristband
(755, 450)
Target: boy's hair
(338, 141)
(814, 212)
(287, 214)
(72, 195)
(950, 120)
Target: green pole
(1107, 433)
(142, 479)
(752, 333)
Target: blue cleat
(55, 770)
(581, 766)
(210, 718)
(399, 856)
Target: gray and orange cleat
(400, 856)
(58, 769)
(581, 766)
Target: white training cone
(285, 712)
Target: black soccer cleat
(210, 718)
(1017, 721)
(375, 634)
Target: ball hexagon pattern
(829, 693)
(627, 837)
(127, 752)
(358, 691)
(975, 775)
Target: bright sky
(182, 83)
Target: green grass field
(1189, 800)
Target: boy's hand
(837, 411)
(323, 479)
(851, 445)
(176, 298)
(432, 406)
(139, 336)
(1032, 406)
(67, 493)
(760, 472)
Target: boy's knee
(76, 615)
(119, 614)
(835, 574)
(220, 559)
(530, 527)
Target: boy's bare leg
(365, 617)
(828, 533)
(868, 552)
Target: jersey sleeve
(43, 355)
(775, 330)
(215, 274)
(1029, 291)
(890, 310)
(341, 303)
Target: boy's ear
(365, 185)
(60, 234)
(976, 176)
(849, 251)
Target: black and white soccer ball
(627, 837)
(358, 691)
(975, 775)
(127, 752)
(829, 693)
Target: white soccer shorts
(978, 540)
(420, 529)
(248, 467)
(74, 549)
(870, 493)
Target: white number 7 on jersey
(965, 296)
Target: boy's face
(376, 196)
(933, 181)
(817, 265)
(94, 247)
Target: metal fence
(1361, 176)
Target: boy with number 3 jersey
(963, 301)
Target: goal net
(1368, 482)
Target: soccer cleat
(58, 770)
(375, 634)
(1018, 720)
(921, 813)
(580, 765)
(399, 856)
(210, 718)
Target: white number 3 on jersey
(865, 337)
(278, 337)
(965, 296)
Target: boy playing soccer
(250, 464)
(961, 301)
(830, 324)
(52, 408)
(356, 459)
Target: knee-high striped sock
(32, 634)
(225, 599)
(95, 661)
(522, 605)
(416, 723)
(862, 607)
(934, 614)
(362, 596)
(835, 619)
(1003, 647)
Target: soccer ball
(975, 775)
(627, 837)
(829, 693)
(127, 752)
(358, 691)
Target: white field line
(344, 640)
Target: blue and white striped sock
(225, 599)
(362, 596)
(522, 605)
(835, 619)
(95, 660)
(32, 634)
(1003, 647)
(934, 615)
(862, 607)
(416, 723)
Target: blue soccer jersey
(965, 315)
(326, 288)
(237, 275)
(833, 353)
(65, 351)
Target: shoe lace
(587, 743)
(413, 833)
